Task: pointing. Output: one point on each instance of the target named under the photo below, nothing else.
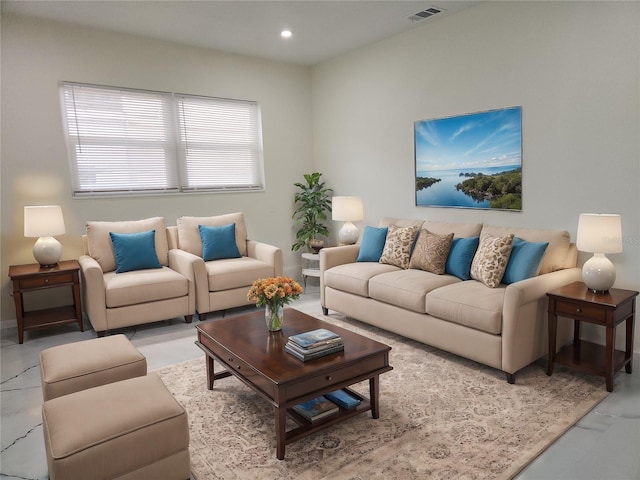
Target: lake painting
(470, 161)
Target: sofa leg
(511, 378)
(325, 311)
(202, 316)
(101, 333)
(188, 318)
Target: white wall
(36, 55)
(574, 67)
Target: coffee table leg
(210, 373)
(281, 415)
(374, 393)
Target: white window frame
(123, 142)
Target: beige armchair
(223, 283)
(142, 295)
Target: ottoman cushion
(119, 430)
(77, 366)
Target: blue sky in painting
(474, 141)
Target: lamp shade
(599, 233)
(43, 221)
(347, 209)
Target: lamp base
(348, 234)
(598, 273)
(47, 251)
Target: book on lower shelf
(300, 354)
(344, 399)
(316, 408)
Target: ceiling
(321, 28)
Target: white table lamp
(599, 234)
(44, 222)
(348, 210)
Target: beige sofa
(503, 327)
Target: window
(123, 141)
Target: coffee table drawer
(340, 375)
(233, 363)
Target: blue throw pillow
(372, 244)
(461, 256)
(219, 242)
(135, 251)
(524, 260)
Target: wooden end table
(33, 277)
(606, 309)
(256, 357)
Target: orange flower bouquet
(273, 293)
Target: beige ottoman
(76, 366)
(133, 429)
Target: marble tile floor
(604, 445)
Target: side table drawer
(46, 281)
(576, 310)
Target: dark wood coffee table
(247, 350)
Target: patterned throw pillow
(397, 247)
(490, 261)
(431, 252)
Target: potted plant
(313, 203)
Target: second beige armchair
(223, 270)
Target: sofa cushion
(460, 257)
(407, 288)
(218, 242)
(524, 261)
(490, 261)
(556, 256)
(134, 251)
(231, 273)
(459, 230)
(431, 251)
(469, 303)
(100, 247)
(142, 286)
(189, 235)
(372, 244)
(398, 245)
(354, 277)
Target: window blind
(124, 141)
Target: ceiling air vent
(429, 12)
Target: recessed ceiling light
(286, 33)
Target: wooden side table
(29, 278)
(607, 309)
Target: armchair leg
(202, 316)
(101, 333)
(511, 378)
(188, 318)
(325, 311)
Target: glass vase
(274, 317)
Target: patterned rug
(441, 417)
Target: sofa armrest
(334, 256)
(524, 317)
(266, 253)
(94, 292)
(183, 263)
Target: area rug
(441, 417)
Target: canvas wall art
(470, 161)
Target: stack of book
(326, 405)
(314, 344)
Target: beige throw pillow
(397, 247)
(491, 258)
(431, 252)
